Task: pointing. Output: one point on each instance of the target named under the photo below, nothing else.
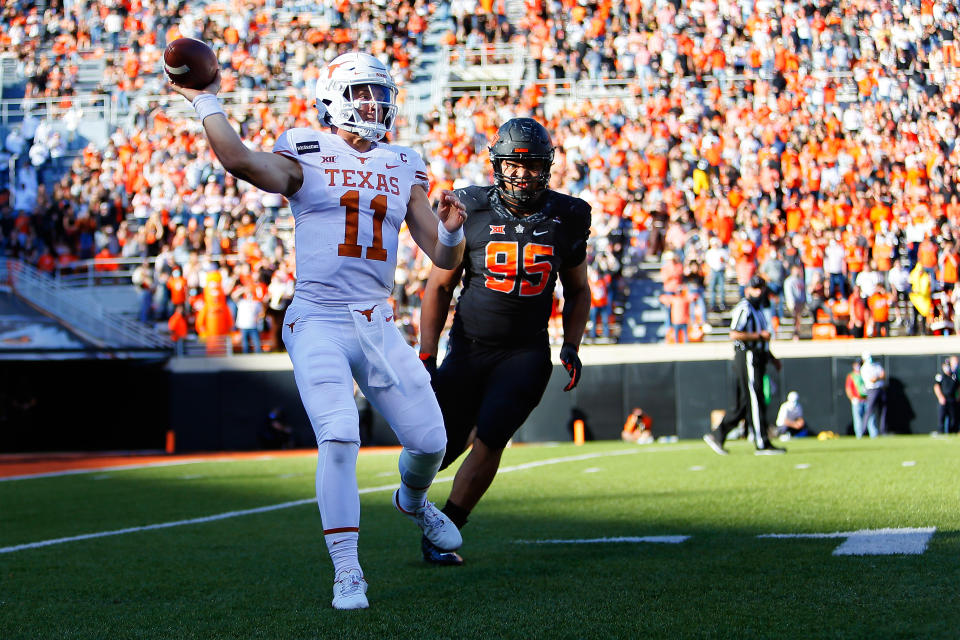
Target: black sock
(457, 514)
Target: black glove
(430, 363)
(571, 362)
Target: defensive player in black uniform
(520, 237)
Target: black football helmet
(526, 141)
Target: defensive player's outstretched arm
(426, 232)
(436, 305)
(576, 303)
(270, 172)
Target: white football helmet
(340, 107)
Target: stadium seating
(673, 134)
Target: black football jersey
(511, 264)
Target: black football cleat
(434, 555)
(769, 450)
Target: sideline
(304, 501)
(28, 467)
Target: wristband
(207, 104)
(425, 356)
(449, 238)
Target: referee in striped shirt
(750, 331)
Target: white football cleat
(435, 524)
(350, 590)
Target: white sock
(343, 551)
(339, 501)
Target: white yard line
(873, 542)
(297, 503)
(161, 525)
(655, 539)
(122, 467)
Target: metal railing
(78, 311)
(499, 65)
(92, 106)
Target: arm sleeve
(739, 319)
(578, 246)
(782, 415)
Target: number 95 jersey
(348, 214)
(511, 264)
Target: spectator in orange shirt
(671, 273)
(177, 285)
(638, 427)
(949, 266)
(879, 304)
(745, 259)
(840, 309)
(601, 306)
(927, 257)
(177, 324)
(679, 303)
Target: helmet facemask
(518, 187)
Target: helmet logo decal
(332, 68)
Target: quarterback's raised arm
(443, 240)
(271, 172)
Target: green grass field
(267, 574)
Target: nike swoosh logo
(391, 166)
(539, 233)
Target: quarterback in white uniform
(349, 194)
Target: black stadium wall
(112, 404)
(223, 403)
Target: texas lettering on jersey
(511, 264)
(363, 180)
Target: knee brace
(417, 470)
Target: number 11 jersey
(348, 214)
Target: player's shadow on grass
(900, 413)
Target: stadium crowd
(806, 138)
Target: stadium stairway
(643, 316)
(420, 88)
(12, 85)
(90, 75)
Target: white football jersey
(348, 214)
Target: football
(190, 63)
